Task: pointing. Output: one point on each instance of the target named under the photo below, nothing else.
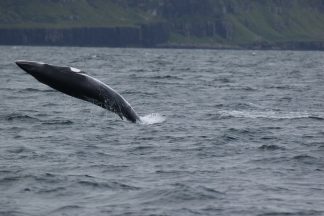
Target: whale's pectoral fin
(120, 115)
(120, 109)
(118, 105)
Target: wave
(153, 118)
(57, 122)
(269, 114)
(271, 147)
(304, 157)
(19, 116)
(35, 90)
(245, 106)
(104, 184)
(168, 77)
(180, 192)
(156, 77)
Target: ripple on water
(179, 193)
(268, 114)
(57, 122)
(306, 159)
(271, 147)
(64, 209)
(102, 185)
(20, 117)
(30, 90)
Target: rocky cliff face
(288, 24)
(144, 36)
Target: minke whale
(78, 84)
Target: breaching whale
(77, 83)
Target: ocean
(226, 133)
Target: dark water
(234, 133)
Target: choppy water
(230, 133)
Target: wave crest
(269, 114)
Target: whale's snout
(31, 67)
(25, 65)
(28, 65)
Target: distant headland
(214, 24)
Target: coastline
(156, 35)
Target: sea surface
(224, 133)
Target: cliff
(257, 24)
(78, 23)
(148, 35)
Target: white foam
(264, 114)
(153, 118)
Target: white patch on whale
(76, 70)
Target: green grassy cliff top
(68, 13)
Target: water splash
(153, 118)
